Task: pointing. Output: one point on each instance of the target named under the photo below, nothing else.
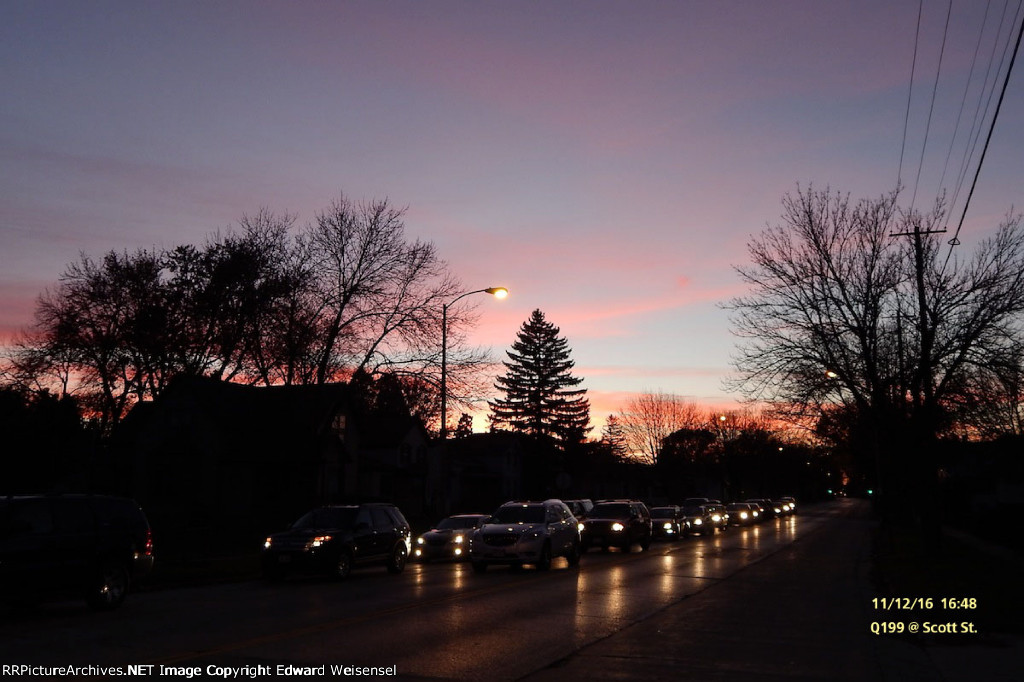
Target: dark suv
(618, 523)
(333, 539)
(90, 545)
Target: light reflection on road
(669, 583)
(506, 617)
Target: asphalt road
(439, 620)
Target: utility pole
(921, 476)
(923, 385)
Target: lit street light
(497, 292)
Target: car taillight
(149, 542)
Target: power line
(910, 92)
(1006, 81)
(981, 115)
(963, 100)
(931, 107)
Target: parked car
(719, 515)
(521, 533)
(580, 508)
(449, 539)
(699, 518)
(94, 546)
(618, 523)
(741, 514)
(760, 514)
(333, 539)
(668, 523)
(771, 509)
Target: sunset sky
(606, 161)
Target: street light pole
(723, 466)
(497, 292)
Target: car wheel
(111, 587)
(645, 544)
(544, 561)
(574, 555)
(396, 564)
(479, 566)
(343, 565)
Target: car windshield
(693, 511)
(519, 513)
(662, 513)
(610, 511)
(327, 517)
(737, 507)
(454, 523)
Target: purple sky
(607, 162)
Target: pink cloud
(17, 307)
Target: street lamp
(497, 292)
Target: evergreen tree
(614, 437)
(540, 394)
(465, 427)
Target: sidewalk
(803, 613)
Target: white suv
(526, 533)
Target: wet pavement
(802, 613)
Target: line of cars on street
(332, 540)
(97, 546)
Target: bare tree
(100, 328)
(225, 295)
(349, 294)
(855, 305)
(991, 403)
(378, 296)
(649, 419)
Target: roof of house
(282, 416)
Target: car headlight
(716, 518)
(618, 527)
(267, 543)
(698, 522)
(743, 515)
(667, 525)
(458, 539)
(581, 526)
(319, 540)
(420, 541)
